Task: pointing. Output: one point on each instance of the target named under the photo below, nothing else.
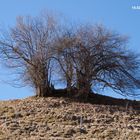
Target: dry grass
(60, 118)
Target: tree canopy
(84, 56)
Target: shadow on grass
(94, 98)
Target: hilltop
(59, 118)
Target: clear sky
(115, 14)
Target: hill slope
(55, 118)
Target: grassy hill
(59, 118)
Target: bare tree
(93, 56)
(88, 56)
(28, 48)
(101, 58)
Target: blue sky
(117, 15)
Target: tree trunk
(42, 92)
(84, 88)
(69, 85)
